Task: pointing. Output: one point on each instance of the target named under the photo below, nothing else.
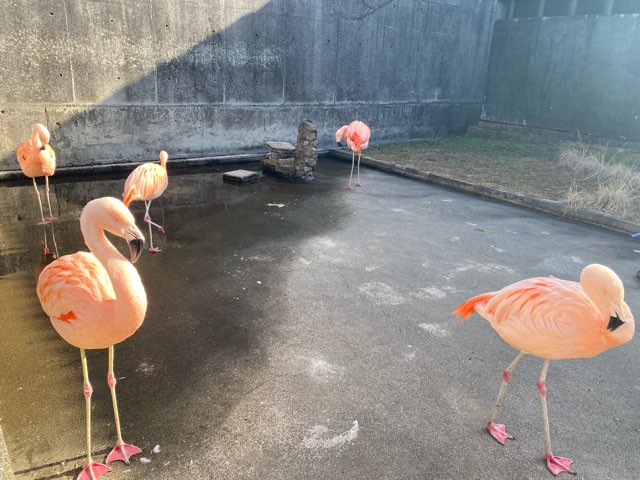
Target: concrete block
(190, 51)
(359, 65)
(310, 59)
(316, 9)
(285, 169)
(554, 83)
(210, 78)
(113, 52)
(280, 147)
(241, 176)
(32, 70)
(254, 59)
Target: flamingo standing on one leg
(37, 159)
(95, 300)
(147, 182)
(554, 319)
(356, 135)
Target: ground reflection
(195, 318)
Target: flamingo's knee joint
(87, 390)
(542, 389)
(111, 380)
(506, 375)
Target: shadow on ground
(208, 290)
(304, 331)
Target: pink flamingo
(147, 182)
(554, 319)
(37, 159)
(356, 135)
(95, 300)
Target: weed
(618, 182)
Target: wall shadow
(125, 79)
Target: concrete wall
(119, 80)
(578, 73)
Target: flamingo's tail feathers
(468, 308)
(128, 196)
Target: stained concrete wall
(119, 80)
(578, 73)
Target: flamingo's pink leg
(50, 218)
(359, 184)
(147, 219)
(122, 451)
(555, 464)
(92, 470)
(55, 243)
(498, 430)
(353, 159)
(43, 221)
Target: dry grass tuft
(618, 184)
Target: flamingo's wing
(36, 163)
(149, 181)
(548, 317)
(538, 301)
(341, 132)
(358, 135)
(48, 160)
(71, 286)
(25, 158)
(365, 134)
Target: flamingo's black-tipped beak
(136, 243)
(614, 322)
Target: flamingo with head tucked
(356, 135)
(147, 182)
(95, 300)
(37, 159)
(554, 319)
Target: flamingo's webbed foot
(154, 250)
(93, 471)
(44, 222)
(359, 184)
(349, 187)
(122, 452)
(50, 218)
(499, 432)
(558, 465)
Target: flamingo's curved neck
(341, 133)
(35, 139)
(131, 300)
(596, 297)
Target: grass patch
(580, 175)
(472, 145)
(615, 172)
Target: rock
(241, 176)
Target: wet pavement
(303, 331)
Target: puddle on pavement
(223, 252)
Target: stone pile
(306, 154)
(297, 163)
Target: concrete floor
(303, 331)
